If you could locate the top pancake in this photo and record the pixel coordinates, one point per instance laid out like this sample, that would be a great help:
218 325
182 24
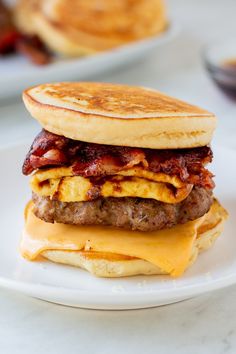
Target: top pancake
119 115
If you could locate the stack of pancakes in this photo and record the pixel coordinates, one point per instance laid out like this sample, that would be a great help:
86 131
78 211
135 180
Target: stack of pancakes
78 27
119 180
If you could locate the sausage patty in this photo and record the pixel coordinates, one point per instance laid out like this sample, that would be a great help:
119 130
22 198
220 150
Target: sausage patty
129 213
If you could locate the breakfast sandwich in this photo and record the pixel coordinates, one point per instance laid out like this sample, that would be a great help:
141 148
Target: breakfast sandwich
79 27
119 180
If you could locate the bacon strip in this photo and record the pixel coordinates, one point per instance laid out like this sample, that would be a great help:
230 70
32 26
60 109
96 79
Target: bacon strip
95 160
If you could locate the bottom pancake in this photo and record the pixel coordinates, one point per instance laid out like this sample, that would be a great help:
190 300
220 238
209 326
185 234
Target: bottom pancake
111 266
129 213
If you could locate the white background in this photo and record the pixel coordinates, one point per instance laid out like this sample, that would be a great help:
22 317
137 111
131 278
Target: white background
205 324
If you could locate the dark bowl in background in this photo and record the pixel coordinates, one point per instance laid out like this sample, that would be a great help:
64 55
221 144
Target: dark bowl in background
220 61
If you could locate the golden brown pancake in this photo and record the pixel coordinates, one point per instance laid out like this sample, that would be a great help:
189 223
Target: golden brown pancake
120 115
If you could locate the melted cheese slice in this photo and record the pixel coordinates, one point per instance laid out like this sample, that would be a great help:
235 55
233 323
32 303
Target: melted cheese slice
169 249
60 183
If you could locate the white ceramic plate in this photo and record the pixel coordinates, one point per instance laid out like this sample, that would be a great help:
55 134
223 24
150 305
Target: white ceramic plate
16 72
66 285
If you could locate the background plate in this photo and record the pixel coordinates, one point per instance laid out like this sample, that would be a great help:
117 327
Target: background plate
214 269
16 72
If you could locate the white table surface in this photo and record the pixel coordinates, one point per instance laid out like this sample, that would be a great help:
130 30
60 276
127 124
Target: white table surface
205 324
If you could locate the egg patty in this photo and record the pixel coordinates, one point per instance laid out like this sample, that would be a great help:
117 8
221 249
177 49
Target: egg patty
60 183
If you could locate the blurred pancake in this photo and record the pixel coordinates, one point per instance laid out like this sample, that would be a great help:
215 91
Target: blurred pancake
77 27
24 15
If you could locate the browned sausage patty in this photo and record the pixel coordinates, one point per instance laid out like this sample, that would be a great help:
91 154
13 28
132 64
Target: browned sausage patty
130 213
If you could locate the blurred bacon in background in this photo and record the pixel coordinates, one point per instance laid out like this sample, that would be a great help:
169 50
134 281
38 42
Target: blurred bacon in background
12 40
8 33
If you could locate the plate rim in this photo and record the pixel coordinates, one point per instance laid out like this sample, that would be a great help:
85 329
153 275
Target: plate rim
113 300
151 42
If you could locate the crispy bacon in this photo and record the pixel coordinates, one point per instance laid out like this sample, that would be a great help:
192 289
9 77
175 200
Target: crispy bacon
100 160
95 160
46 150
